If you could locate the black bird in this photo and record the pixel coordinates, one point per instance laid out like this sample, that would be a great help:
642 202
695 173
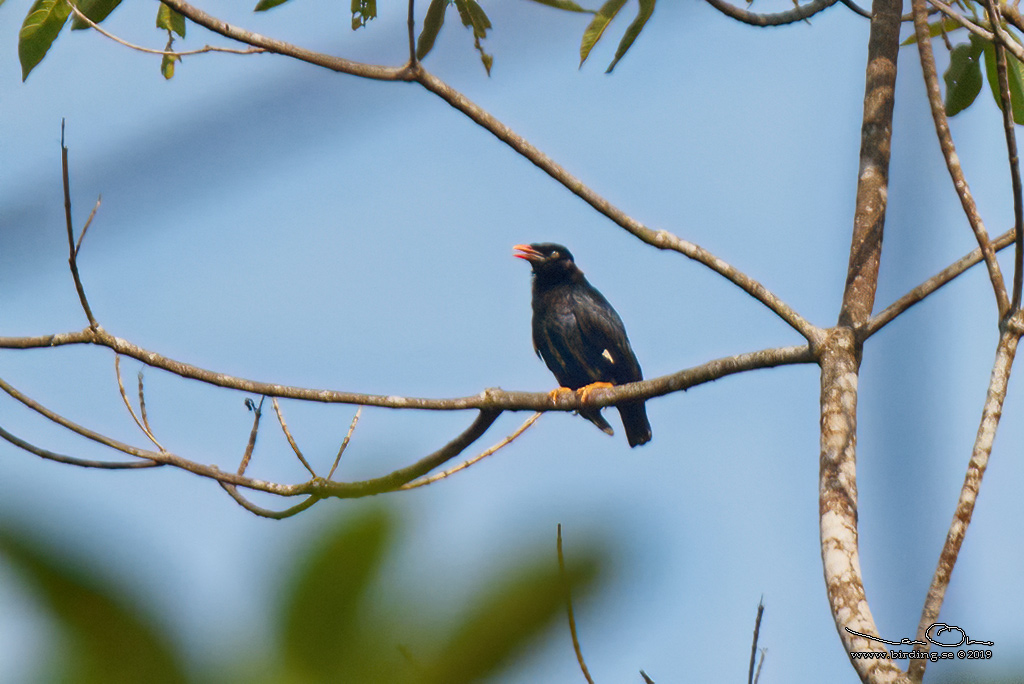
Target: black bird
580 337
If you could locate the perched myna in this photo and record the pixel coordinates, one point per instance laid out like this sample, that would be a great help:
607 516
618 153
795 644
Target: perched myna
579 335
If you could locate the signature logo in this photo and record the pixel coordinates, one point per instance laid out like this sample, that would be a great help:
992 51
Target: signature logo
934 635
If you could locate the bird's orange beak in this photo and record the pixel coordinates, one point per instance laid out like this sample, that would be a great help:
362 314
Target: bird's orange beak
527 252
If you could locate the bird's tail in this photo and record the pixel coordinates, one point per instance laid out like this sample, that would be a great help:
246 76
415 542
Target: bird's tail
595 417
634 420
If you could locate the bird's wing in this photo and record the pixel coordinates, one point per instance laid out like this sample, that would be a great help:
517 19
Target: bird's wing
604 337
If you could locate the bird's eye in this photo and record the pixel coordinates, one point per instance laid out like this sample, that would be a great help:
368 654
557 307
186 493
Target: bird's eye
555 254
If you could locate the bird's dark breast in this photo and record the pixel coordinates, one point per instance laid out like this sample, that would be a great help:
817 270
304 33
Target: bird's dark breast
560 336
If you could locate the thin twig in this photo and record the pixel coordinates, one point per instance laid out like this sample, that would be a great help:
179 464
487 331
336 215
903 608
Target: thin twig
251 444
288 434
124 397
929 286
72 460
152 51
72 251
753 645
990 415
344 442
266 512
798 13
924 47
142 404
479 457
412 33
963 21
88 222
568 604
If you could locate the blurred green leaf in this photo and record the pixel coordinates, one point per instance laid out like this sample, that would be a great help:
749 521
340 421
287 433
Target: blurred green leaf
1014 75
170 20
97 10
598 24
567 5
41 27
264 5
963 77
642 15
362 12
509 617
432 24
323 635
945 25
167 66
474 17
109 640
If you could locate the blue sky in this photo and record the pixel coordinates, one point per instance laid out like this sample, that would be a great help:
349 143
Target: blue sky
271 220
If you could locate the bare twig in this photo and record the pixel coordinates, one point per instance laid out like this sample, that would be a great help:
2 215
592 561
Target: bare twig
753 644
962 20
124 397
142 404
288 434
412 33
931 78
344 442
479 457
568 605
88 222
798 13
72 460
72 250
932 284
251 445
266 512
990 415
208 48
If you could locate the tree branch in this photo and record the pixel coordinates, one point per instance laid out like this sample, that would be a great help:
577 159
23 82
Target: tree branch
990 415
798 13
931 78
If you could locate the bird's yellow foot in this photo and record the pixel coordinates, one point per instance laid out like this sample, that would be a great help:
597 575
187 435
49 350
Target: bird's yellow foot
584 392
556 393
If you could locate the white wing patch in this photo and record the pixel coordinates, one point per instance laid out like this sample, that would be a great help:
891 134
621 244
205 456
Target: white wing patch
608 355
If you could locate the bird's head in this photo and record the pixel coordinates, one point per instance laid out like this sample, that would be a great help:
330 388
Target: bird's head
550 261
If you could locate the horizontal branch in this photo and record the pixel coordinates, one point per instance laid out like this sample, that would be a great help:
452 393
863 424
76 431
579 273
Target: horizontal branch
492 399
798 13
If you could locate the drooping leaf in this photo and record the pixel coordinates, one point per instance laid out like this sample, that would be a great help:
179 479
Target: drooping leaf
41 27
170 20
474 17
108 639
963 77
1014 76
598 24
323 636
642 15
511 614
264 5
167 66
432 24
97 10
567 5
362 12
936 28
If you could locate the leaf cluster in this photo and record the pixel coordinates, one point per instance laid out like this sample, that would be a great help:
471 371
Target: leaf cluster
338 620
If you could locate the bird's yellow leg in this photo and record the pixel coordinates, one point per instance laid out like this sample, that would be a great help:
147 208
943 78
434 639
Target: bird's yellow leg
555 393
584 392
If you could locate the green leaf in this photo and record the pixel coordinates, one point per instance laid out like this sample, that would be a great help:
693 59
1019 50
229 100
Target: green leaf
171 20
432 24
264 5
108 639
642 15
324 634
510 616
567 5
362 12
473 16
597 26
1014 75
42 25
167 66
963 77
97 10
937 28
